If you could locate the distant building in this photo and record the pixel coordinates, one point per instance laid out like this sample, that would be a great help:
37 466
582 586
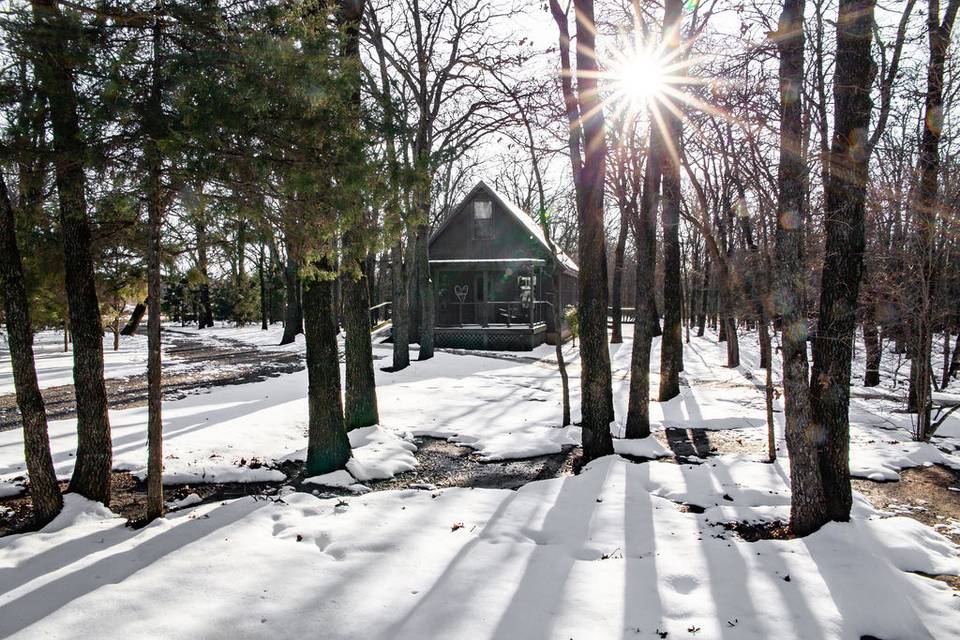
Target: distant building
492 275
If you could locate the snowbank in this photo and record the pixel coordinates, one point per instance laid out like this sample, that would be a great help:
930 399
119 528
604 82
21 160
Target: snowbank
589 556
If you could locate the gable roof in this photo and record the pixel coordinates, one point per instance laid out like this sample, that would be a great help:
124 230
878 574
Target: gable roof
536 232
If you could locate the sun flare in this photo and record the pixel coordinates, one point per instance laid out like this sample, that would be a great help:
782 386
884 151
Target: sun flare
640 78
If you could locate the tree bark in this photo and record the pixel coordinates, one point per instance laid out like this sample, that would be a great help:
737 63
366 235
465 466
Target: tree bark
293 313
44 492
206 308
873 352
595 377
704 294
328 447
399 308
638 402
425 303
844 196
264 324
925 216
136 317
361 387
155 222
671 342
807 507
91 475
616 334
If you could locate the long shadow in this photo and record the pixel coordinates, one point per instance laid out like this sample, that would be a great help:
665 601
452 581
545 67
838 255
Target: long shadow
448 582
688 443
640 582
23 611
54 557
846 588
198 419
546 573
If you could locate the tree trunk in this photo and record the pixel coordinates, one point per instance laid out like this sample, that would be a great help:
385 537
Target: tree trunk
807 507
595 379
945 375
328 447
616 334
765 346
91 475
425 304
558 314
155 222
44 492
645 231
704 291
873 353
399 309
671 343
206 308
361 387
264 324
844 197
293 314
925 216
654 313
136 317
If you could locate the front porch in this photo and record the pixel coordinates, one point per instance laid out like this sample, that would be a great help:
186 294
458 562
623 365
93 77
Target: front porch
493 338
490 304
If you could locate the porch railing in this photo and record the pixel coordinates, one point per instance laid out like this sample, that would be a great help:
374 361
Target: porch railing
505 313
627 314
380 313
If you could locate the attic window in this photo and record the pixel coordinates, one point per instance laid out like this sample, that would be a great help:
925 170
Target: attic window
482 220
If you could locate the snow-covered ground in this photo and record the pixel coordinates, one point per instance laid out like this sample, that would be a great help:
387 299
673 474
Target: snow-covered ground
502 407
606 554
55 367
609 553
251 335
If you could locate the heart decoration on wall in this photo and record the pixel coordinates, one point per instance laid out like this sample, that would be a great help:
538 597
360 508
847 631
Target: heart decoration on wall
461 292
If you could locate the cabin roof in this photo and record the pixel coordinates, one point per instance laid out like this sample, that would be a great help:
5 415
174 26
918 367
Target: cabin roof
519 214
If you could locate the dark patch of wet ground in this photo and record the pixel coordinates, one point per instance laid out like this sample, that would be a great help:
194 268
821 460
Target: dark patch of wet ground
445 464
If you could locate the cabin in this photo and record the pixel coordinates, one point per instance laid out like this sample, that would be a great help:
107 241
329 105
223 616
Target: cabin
492 272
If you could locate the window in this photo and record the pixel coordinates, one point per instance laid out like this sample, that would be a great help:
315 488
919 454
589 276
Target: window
482 220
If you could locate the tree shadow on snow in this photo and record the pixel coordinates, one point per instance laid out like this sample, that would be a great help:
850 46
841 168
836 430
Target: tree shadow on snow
34 605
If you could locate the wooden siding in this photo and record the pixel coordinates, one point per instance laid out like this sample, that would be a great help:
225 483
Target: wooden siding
456 241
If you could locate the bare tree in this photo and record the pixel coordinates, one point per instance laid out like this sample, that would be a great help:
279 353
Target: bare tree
588 161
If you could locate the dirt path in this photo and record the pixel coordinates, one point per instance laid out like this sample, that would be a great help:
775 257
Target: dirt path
191 364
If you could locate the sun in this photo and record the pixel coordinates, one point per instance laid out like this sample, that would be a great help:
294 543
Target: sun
640 78
637 78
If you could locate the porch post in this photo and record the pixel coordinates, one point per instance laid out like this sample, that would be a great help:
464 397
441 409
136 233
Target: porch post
486 298
533 295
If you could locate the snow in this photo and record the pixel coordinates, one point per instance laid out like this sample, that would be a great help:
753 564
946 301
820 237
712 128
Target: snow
588 556
502 407
55 367
617 551
377 454
885 463
340 479
188 501
648 447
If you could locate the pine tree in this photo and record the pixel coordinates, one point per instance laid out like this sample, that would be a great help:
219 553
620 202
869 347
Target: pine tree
54 69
